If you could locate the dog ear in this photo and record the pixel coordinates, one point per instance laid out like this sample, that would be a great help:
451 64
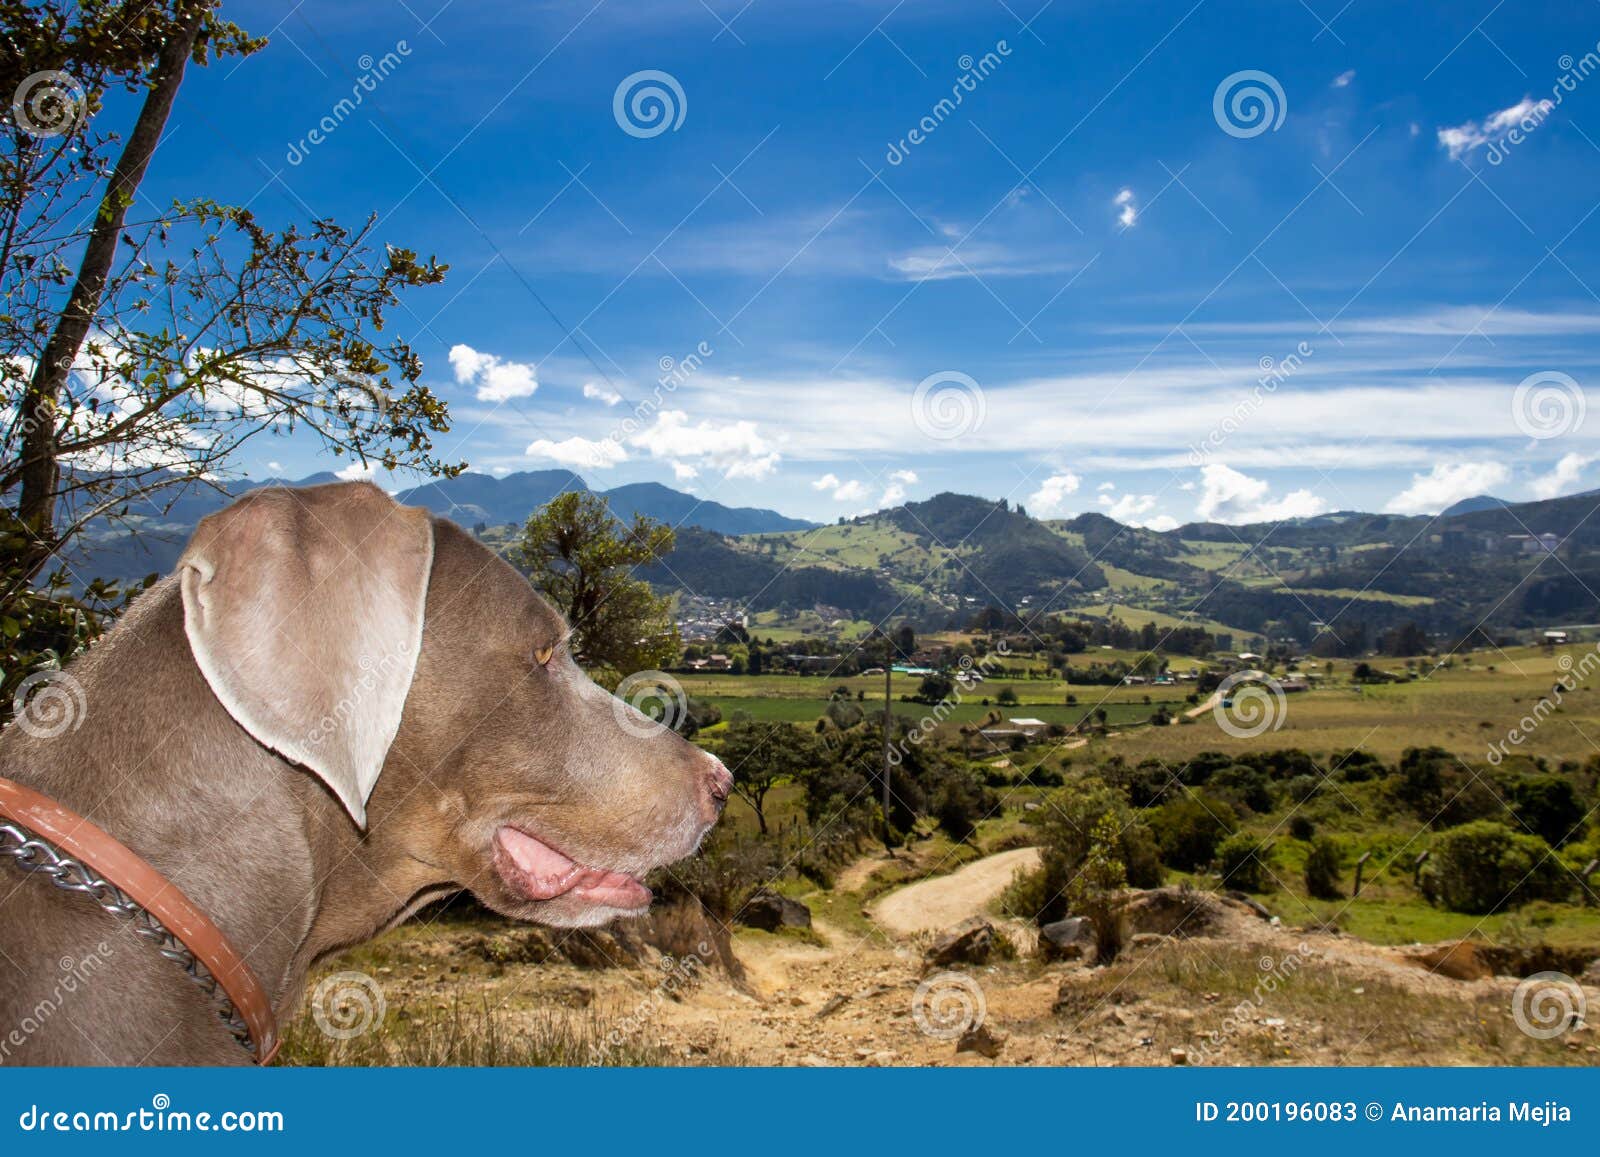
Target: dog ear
304 611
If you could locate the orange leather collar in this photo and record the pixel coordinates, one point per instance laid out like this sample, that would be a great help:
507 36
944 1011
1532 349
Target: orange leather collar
110 858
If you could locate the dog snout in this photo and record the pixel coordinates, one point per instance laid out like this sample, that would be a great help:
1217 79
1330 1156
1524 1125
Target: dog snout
718 785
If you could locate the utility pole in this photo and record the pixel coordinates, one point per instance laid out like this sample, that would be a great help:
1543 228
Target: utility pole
888 718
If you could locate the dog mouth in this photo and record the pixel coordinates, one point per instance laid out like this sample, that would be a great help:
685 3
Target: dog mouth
535 871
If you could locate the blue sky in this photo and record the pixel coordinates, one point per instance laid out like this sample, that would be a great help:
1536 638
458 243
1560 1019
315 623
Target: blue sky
1117 289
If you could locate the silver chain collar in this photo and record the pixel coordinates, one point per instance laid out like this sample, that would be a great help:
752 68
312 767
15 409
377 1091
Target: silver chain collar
33 854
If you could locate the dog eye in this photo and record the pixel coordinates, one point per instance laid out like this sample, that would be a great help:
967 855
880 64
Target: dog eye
543 655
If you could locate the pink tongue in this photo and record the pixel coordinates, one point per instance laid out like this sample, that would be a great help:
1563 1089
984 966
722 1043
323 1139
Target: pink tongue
545 874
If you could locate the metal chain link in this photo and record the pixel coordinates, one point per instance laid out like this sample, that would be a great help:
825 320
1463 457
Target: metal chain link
34 854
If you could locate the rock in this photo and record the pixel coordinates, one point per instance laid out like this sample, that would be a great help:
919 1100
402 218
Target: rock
1179 1056
1175 911
835 1002
983 1040
1249 902
969 942
1145 939
1069 939
1591 974
770 911
1457 959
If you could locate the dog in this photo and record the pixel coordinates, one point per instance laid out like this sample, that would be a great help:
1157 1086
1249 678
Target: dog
336 710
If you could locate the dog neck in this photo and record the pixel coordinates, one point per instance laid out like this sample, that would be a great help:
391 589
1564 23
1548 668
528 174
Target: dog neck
255 842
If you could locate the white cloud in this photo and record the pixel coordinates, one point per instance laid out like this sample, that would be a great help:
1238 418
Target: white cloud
1344 78
275 467
1227 495
736 448
1128 211
1445 484
893 495
684 472
601 393
1562 477
1131 509
851 491
907 476
1463 138
1049 501
496 380
579 453
356 472
1105 486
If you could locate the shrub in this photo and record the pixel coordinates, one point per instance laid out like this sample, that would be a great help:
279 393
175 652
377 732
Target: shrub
1242 859
1188 830
1006 698
1065 825
1323 864
1548 806
1301 827
958 801
1245 785
1096 890
1484 866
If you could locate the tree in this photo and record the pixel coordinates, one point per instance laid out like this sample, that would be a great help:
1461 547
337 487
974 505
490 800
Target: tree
139 349
582 557
1096 889
760 756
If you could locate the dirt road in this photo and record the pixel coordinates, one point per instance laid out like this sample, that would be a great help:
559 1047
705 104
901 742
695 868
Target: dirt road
936 904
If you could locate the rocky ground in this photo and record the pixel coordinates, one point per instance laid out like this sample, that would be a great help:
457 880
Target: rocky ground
1204 980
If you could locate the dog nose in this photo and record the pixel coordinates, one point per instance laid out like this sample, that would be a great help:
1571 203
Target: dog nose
719 785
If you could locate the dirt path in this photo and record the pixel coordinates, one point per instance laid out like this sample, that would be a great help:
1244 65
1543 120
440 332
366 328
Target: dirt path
932 905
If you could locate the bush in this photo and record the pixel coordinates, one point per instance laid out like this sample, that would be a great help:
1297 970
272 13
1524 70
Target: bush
1485 866
1245 785
1188 830
958 801
1323 864
1242 859
1548 806
1301 827
1064 827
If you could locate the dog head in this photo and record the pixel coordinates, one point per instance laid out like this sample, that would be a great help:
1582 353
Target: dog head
427 685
